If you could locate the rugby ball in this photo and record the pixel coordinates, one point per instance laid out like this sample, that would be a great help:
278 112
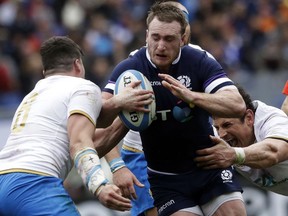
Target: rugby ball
137 121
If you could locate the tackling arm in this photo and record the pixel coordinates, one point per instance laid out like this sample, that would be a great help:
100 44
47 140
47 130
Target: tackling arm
260 155
266 153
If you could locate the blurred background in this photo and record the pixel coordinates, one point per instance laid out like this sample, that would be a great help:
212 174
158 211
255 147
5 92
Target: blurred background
248 37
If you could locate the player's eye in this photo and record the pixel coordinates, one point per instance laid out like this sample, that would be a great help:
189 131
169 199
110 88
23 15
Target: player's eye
169 39
156 38
226 125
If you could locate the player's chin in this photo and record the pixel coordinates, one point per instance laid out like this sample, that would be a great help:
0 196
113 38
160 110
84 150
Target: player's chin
161 61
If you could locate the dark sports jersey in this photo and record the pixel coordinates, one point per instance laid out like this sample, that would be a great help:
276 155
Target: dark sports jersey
169 143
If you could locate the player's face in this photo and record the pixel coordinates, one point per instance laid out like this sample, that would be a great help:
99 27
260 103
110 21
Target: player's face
164 41
234 131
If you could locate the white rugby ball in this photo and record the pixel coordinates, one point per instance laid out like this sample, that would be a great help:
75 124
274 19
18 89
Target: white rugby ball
136 121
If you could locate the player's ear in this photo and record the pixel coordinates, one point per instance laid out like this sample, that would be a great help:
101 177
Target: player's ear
147 32
77 64
249 117
183 39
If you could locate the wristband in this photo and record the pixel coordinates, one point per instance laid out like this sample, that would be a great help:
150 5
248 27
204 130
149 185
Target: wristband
240 156
88 166
116 164
99 189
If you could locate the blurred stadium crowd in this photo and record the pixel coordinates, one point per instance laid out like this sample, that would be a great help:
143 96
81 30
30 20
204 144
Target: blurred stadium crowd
245 36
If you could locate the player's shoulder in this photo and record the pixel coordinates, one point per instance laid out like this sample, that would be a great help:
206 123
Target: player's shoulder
194 46
270 121
135 58
80 84
197 50
82 81
266 108
265 112
131 54
138 52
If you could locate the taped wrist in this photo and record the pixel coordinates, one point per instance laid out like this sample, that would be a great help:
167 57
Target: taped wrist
116 164
240 156
87 164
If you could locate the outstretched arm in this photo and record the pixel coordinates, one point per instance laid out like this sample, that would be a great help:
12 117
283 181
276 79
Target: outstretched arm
259 155
221 103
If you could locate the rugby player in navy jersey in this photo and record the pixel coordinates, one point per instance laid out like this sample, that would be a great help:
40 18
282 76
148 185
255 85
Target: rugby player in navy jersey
129 166
189 85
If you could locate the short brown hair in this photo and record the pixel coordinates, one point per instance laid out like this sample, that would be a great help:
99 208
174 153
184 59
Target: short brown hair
59 52
167 13
246 97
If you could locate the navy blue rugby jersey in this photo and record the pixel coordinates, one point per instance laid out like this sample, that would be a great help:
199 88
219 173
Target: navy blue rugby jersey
169 143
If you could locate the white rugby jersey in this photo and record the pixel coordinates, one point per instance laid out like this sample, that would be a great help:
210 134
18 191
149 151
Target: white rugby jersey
39 142
270 122
133 140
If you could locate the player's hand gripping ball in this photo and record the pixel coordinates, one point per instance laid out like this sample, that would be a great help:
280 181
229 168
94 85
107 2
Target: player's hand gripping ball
136 121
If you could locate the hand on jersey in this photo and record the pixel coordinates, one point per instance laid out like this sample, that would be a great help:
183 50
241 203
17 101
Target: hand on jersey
177 88
134 99
110 196
222 155
125 180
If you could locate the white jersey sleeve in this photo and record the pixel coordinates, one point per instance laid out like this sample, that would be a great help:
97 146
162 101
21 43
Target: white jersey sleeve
133 140
270 122
39 142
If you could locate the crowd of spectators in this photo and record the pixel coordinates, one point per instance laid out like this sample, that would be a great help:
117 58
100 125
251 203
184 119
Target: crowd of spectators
244 35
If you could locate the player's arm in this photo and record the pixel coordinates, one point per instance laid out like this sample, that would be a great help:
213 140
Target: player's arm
122 176
225 103
81 131
130 99
107 138
260 155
